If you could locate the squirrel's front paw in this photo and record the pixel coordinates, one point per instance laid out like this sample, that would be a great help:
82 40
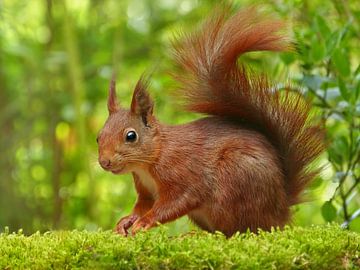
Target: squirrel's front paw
125 223
144 223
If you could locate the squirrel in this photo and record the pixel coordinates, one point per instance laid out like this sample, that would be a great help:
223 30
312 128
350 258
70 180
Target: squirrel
239 168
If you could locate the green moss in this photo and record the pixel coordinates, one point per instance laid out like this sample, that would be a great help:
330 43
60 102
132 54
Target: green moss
318 247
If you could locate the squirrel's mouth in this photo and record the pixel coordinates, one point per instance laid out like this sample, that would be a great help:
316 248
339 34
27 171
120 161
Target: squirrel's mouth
117 170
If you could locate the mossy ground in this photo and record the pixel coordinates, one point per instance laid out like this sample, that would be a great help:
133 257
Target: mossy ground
317 247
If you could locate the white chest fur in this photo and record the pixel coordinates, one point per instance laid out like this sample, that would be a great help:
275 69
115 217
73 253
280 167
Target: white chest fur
148 181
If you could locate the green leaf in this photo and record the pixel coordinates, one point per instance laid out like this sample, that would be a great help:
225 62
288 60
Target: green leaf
355 221
318 50
339 149
357 70
334 157
316 183
334 40
343 89
355 225
322 26
341 62
328 211
288 57
357 90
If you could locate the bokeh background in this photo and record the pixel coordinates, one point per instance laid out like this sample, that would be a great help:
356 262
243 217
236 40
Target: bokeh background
56 60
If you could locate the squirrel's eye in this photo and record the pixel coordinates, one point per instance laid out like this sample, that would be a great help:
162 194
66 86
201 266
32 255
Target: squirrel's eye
131 136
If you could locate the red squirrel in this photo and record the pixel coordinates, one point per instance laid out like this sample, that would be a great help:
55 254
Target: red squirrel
240 167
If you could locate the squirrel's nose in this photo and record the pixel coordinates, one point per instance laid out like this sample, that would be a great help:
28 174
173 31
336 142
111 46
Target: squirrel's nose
105 163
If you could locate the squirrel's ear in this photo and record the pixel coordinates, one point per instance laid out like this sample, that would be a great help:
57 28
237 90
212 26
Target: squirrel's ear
141 103
113 105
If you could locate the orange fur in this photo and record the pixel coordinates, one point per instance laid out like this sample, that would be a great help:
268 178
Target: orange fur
240 168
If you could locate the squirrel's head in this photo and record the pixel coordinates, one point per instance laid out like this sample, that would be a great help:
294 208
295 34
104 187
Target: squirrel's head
129 138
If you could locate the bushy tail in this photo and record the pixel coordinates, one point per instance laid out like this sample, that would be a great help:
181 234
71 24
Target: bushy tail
214 83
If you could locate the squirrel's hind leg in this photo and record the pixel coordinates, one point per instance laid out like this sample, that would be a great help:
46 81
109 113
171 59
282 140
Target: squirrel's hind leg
249 191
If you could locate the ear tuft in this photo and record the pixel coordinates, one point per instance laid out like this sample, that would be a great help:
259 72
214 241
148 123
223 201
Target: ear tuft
141 104
113 105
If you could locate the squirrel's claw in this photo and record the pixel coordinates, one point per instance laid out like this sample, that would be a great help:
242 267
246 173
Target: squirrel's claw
143 223
125 223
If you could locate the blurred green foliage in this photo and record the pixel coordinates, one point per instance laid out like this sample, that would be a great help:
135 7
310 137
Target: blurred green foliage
56 60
